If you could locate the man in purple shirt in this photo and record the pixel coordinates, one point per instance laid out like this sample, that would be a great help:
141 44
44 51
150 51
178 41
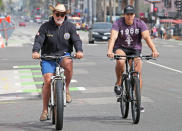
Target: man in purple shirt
126 35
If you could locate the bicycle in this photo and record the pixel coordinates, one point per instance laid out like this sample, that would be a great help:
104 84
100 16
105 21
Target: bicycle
57 100
130 88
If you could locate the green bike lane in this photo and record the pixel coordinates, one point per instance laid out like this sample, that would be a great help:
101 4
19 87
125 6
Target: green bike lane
23 82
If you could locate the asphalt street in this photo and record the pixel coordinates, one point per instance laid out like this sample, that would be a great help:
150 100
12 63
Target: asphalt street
94 106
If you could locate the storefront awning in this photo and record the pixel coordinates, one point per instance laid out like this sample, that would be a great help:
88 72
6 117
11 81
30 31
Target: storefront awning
171 21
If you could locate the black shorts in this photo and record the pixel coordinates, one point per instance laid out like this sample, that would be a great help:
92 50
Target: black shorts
128 51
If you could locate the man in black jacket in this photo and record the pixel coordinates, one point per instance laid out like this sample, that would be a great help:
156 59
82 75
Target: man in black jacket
56 37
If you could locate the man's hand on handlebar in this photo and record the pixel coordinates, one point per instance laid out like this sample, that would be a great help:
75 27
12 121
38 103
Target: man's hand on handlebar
110 54
78 55
155 54
35 55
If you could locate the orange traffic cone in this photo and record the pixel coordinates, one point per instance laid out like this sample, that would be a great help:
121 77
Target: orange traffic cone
2 45
2 42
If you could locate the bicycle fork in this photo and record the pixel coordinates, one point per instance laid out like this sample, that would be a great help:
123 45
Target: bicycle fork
52 91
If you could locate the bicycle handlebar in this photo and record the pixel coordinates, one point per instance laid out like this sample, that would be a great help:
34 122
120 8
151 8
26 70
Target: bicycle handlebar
49 57
146 57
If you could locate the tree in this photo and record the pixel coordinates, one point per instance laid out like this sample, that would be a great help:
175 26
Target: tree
2 8
1 3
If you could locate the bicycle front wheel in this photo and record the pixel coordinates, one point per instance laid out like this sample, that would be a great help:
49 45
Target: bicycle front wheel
136 99
124 104
59 104
53 115
51 112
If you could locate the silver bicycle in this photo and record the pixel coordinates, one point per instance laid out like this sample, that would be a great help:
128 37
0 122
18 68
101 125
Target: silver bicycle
57 100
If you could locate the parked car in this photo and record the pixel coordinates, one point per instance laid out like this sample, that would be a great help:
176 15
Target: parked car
22 24
99 31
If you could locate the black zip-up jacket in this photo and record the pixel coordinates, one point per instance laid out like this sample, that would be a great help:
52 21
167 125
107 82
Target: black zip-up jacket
56 40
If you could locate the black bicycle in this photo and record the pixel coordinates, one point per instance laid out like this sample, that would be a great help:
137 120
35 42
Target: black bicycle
130 88
58 93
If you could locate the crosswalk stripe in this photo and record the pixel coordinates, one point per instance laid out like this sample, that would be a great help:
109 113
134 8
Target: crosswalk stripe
26 66
28 71
30 76
32 83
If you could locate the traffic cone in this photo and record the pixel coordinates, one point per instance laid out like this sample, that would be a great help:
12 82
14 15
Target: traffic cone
2 45
2 42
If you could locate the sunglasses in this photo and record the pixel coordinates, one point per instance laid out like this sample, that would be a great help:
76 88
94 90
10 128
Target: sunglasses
60 14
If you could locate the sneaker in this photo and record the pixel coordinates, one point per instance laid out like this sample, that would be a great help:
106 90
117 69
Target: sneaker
142 109
117 89
44 116
68 98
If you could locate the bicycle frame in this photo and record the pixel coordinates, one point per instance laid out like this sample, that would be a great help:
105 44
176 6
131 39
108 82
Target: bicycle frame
130 71
57 100
58 76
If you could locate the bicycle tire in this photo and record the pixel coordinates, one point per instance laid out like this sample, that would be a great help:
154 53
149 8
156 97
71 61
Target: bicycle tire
52 115
51 108
136 99
59 104
124 104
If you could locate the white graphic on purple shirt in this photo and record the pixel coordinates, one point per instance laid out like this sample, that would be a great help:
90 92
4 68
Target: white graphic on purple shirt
130 35
127 32
136 31
129 40
131 31
121 32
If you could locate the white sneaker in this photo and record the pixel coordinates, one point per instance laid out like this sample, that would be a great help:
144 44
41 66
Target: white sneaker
142 109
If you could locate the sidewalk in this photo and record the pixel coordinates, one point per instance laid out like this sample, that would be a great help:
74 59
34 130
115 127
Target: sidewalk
23 35
172 40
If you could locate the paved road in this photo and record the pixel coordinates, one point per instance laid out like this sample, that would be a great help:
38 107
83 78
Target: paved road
94 105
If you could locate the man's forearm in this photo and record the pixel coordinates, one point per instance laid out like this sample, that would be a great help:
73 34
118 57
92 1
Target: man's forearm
110 45
150 44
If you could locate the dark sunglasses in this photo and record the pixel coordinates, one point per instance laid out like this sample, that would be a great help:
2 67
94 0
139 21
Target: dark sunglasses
60 14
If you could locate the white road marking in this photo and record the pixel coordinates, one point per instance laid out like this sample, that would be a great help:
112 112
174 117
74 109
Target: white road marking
81 88
73 81
15 67
10 98
165 67
169 46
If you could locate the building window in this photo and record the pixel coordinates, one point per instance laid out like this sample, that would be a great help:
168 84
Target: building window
167 3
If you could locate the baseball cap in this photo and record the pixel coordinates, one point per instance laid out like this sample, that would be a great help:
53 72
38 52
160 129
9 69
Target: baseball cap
129 9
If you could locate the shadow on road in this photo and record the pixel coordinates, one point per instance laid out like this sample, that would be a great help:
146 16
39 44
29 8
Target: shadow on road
112 120
28 126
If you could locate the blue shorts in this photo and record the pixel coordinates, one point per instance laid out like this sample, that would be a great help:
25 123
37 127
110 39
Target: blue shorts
48 66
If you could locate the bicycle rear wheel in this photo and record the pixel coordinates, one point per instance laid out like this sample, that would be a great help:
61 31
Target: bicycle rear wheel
136 99
124 104
59 104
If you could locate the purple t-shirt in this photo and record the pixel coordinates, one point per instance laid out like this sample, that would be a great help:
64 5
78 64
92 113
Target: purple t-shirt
129 36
